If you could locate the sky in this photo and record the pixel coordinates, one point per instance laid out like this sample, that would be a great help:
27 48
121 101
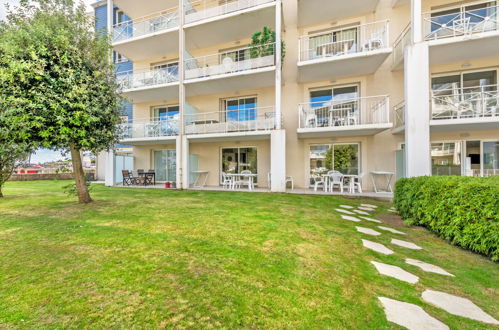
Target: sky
42 155
13 2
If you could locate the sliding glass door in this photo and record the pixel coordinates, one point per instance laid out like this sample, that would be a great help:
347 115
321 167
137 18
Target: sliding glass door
236 160
342 157
333 106
165 165
446 158
239 109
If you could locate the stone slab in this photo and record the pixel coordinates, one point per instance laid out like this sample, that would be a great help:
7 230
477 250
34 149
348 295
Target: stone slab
371 219
350 218
376 247
369 205
345 211
457 306
368 231
346 206
363 208
410 316
391 230
427 267
395 272
406 244
361 212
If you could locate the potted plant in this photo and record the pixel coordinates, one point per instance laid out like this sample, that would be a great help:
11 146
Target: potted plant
263 45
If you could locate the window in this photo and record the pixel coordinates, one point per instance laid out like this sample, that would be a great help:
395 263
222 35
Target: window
335 106
118 58
459 19
342 157
446 158
490 158
464 82
236 55
239 109
165 112
236 160
165 165
170 68
333 43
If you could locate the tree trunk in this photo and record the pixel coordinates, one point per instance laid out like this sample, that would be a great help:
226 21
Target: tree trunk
1 194
81 182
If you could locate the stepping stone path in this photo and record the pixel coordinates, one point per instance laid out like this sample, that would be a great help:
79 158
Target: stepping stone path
391 230
346 206
410 316
427 267
457 306
368 231
369 205
405 244
391 209
376 247
361 212
395 272
365 208
345 211
350 218
371 219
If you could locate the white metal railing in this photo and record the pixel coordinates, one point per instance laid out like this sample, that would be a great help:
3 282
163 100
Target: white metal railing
150 127
228 121
152 23
402 41
146 78
399 113
343 41
345 112
470 102
463 21
232 61
202 9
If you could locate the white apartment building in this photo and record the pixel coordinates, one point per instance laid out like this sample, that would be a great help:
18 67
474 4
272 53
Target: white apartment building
360 86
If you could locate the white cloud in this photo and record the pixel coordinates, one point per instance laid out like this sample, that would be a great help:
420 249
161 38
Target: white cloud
14 2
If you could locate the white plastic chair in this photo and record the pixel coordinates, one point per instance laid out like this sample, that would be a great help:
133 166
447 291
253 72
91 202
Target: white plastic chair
244 180
357 183
319 182
290 180
335 179
226 181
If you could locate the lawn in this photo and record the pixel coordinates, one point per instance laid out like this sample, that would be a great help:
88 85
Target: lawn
140 258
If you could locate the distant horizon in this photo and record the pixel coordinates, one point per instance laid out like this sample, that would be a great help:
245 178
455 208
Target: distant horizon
45 155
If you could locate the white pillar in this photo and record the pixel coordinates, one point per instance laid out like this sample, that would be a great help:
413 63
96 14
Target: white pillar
178 161
278 161
110 176
416 21
110 14
278 63
185 163
417 110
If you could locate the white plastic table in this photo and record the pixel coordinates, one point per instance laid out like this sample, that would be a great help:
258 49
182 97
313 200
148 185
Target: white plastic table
235 176
388 177
198 176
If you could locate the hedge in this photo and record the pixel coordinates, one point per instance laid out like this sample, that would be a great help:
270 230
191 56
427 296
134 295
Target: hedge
462 210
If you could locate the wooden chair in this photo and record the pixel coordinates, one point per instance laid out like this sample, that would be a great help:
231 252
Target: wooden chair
128 178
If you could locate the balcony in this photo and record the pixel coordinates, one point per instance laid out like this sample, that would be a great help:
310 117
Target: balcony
318 11
135 9
252 122
149 85
403 40
196 11
245 68
361 51
142 131
462 33
466 108
399 118
344 117
149 36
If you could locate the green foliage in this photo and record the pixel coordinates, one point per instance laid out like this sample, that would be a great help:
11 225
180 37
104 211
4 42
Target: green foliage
263 44
56 76
463 210
343 156
72 191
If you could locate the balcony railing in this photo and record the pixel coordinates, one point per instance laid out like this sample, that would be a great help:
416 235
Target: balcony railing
148 78
463 21
399 113
230 121
203 9
153 23
344 41
150 127
341 112
403 40
470 102
244 59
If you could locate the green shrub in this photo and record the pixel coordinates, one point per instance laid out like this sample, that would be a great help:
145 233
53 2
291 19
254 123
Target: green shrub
463 210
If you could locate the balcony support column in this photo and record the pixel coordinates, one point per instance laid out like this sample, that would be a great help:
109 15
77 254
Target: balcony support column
109 17
417 110
182 145
278 64
185 170
278 161
416 21
110 165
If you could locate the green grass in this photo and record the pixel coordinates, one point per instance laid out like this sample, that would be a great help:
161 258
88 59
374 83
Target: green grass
140 258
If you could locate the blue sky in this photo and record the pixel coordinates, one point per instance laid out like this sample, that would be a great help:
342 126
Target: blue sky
45 155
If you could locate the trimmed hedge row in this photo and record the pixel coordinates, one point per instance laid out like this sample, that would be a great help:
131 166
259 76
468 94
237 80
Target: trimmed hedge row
463 210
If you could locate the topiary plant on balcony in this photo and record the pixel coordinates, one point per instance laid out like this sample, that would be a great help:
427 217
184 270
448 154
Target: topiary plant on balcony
263 44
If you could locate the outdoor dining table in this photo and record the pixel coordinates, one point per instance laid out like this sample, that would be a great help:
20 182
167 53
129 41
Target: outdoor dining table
388 177
351 181
197 181
235 176
143 176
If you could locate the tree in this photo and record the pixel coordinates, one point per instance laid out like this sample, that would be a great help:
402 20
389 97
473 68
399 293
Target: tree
58 79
